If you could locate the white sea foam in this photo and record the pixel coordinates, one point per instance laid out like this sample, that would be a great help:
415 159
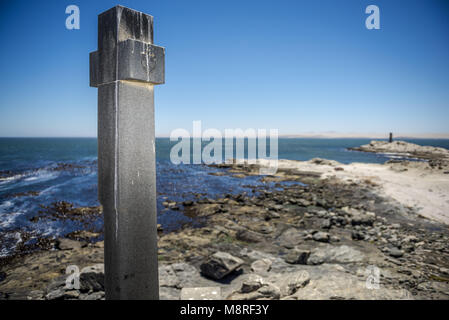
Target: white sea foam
11 178
13 237
8 219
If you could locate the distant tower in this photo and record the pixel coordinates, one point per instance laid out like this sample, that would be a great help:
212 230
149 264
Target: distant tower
391 137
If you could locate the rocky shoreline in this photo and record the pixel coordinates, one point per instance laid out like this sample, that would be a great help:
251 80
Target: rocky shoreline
437 157
305 234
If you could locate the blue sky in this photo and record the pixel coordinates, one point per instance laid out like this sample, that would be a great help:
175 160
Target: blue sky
298 66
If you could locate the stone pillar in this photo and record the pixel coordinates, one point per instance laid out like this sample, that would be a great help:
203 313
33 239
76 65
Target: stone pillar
125 69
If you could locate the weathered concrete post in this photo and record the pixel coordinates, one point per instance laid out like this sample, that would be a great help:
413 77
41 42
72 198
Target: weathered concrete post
125 69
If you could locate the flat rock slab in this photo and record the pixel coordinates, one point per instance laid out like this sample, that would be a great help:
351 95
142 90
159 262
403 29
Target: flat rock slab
201 293
330 254
343 286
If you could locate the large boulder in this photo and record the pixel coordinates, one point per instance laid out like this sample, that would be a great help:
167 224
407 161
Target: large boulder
219 265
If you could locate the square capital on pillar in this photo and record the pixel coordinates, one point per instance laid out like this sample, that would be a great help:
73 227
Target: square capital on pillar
125 49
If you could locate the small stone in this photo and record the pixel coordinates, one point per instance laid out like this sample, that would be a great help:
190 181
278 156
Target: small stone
357 235
253 283
444 270
362 220
33 295
67 244
321 236
326 224
395 252
55 294
94 296
249 236
261 265
273 215
308 237
72 294
269 291
297 256
334 239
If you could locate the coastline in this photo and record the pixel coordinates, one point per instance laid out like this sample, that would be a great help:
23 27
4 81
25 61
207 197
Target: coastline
311 238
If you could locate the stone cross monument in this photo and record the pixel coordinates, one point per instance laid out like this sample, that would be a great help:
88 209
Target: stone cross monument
125 69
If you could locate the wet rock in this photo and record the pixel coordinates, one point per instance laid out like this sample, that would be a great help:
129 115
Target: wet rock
169 204
219 265
297 256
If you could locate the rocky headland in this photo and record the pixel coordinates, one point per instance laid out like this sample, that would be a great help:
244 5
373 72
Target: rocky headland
436 156
314 230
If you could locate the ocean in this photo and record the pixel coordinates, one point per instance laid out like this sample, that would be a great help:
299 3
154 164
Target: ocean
36 172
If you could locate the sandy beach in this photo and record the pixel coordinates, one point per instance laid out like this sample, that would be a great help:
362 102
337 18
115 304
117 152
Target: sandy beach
413 184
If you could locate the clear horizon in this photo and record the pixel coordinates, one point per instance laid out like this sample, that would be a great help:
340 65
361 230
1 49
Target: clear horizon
303 67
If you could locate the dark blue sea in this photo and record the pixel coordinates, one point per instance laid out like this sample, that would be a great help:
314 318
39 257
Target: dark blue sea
41 171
